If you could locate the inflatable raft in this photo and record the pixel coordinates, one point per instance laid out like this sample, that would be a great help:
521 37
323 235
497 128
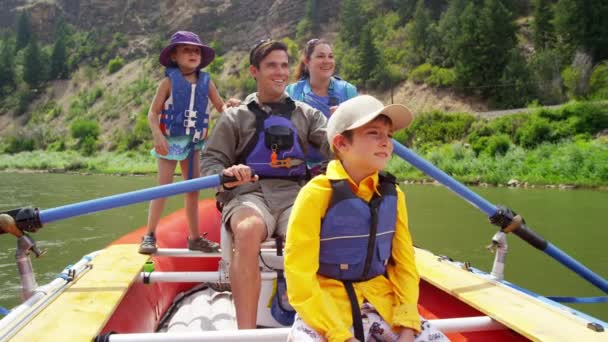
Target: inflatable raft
178 295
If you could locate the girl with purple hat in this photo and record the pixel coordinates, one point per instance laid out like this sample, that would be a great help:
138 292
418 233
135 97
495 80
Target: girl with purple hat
179 122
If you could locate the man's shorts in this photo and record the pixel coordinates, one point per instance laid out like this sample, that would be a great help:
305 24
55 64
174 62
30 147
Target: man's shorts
275 220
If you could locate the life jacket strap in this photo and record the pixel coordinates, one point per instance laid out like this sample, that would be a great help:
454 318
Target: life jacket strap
190 114
355 310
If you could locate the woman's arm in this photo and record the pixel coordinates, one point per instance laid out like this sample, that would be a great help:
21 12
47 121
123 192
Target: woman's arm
216 99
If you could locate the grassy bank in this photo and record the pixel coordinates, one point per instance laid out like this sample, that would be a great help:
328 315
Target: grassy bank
579 163
73 161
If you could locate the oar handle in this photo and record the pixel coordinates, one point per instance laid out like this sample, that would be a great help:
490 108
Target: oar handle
493 211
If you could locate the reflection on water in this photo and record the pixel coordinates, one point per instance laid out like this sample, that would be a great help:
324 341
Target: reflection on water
440 221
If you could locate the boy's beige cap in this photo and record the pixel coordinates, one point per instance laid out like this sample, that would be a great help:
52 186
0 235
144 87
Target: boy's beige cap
362 109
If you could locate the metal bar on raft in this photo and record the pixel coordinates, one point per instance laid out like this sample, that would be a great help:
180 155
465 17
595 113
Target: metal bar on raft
43 295
186 253
448 326
189 277
524 232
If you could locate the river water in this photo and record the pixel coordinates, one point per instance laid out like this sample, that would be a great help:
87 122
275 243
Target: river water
573 220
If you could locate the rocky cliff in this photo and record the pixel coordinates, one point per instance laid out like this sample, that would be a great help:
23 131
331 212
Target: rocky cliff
235 23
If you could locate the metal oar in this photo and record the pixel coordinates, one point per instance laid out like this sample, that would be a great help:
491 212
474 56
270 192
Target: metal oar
31 219
503 217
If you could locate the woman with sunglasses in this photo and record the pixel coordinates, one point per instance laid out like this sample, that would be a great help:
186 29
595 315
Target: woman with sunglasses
317 85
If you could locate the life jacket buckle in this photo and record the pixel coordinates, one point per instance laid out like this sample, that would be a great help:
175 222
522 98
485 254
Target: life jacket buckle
189 123
197 136
190 114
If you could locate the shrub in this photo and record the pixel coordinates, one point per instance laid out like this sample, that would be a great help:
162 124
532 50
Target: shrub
77 109
19 143
441 77
498 145
421 73
439 127
598 84
89 145
478 143
572 78
57 146
81 129
115 64
534 133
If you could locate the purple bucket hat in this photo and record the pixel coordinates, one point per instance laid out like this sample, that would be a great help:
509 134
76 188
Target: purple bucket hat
186 37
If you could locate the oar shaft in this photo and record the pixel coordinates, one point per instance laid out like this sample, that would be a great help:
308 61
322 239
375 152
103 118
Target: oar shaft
490 209
444 179
576 266
104 203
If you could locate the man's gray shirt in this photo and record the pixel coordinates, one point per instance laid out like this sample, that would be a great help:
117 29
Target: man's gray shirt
236 128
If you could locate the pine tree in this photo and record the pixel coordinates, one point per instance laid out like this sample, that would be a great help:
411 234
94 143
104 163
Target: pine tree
24 33
483 49
406 9
450 30
58 59
32 64
465 49
351 22
419 33
435 7
368 56
7 71
541 26
517 76
312 14
582 24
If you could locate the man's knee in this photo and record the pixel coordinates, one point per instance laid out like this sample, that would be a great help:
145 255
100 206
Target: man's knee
248 230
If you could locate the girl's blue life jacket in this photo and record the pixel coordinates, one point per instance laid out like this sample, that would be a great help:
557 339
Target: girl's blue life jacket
336 94
275 151
356 236
185 112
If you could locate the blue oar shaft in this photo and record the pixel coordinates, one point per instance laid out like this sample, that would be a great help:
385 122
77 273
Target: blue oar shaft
490 209
576 266
104 203
444 179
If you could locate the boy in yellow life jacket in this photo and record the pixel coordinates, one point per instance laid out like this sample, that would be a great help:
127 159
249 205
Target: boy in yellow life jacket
349 257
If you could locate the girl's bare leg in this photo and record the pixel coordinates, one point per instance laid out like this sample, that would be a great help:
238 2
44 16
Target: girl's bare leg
191 198
166 169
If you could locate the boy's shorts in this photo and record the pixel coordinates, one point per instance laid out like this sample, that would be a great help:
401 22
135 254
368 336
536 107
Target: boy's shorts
275 220
179 148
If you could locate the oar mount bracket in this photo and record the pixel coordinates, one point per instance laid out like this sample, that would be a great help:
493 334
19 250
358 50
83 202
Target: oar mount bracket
26 219
507 219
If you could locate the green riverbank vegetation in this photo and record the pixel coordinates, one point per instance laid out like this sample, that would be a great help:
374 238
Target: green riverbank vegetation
566 146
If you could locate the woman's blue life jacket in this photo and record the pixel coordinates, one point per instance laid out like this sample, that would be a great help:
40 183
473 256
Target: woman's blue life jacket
356 237
185 111
338 92
275 151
